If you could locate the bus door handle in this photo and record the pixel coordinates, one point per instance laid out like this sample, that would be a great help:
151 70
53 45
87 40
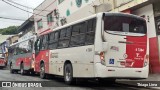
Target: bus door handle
126 42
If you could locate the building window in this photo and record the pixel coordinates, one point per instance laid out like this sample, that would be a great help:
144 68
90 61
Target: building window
60 1
49 18
78 3
39 24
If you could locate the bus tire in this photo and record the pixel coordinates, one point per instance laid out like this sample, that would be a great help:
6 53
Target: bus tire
22 69
42 71
32 73
11 69
68 74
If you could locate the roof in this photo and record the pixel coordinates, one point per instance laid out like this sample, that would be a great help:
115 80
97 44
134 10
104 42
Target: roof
4 37
23 25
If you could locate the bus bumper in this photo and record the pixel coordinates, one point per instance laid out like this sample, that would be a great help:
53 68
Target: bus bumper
118 72
2 65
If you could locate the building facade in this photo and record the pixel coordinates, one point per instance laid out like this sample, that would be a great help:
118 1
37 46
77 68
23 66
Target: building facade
27 29
46 16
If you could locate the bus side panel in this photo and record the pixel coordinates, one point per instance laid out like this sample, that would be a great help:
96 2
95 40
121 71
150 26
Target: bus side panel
27 61
42 56
25 58
13 60
80 57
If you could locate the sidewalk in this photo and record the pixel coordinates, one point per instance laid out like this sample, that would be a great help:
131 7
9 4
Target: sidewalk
153 78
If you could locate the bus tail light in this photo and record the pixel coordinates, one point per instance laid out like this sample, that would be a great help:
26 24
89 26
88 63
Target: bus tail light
122 63
102 57
33 63
146 60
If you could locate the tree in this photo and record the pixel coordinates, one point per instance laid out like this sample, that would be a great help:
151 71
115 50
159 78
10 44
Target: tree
9 30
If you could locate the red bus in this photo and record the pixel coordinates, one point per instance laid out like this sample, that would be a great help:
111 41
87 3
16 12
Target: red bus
21 56
3 62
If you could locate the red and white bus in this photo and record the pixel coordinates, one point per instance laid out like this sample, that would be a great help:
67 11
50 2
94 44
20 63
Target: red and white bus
105 45
21 56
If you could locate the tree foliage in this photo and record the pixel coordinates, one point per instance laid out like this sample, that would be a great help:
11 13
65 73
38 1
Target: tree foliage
9 30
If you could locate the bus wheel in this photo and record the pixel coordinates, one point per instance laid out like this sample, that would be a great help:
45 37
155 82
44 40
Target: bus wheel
22 69
42 71
32 73
11 68
68 74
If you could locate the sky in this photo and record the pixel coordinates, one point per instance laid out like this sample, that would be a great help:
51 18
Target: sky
9 11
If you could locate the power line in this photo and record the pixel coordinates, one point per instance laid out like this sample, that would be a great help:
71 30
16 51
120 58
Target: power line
26 6
12 18
21 8
18 22
24 9
17 19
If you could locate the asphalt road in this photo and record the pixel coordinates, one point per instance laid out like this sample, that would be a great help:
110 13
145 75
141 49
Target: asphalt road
58 83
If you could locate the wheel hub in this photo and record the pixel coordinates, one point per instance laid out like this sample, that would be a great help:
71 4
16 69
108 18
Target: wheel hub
68 74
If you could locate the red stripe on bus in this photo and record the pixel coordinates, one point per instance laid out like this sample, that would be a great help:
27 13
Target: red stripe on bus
136 51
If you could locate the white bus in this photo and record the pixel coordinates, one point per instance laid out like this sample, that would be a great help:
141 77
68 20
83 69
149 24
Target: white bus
102 46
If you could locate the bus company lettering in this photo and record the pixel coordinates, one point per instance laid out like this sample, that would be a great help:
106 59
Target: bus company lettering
54 55
139 54
114 48
139 49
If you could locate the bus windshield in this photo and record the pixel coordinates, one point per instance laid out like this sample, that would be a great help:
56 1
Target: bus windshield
124 23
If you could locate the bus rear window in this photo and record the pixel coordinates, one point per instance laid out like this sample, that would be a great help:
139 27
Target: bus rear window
124 24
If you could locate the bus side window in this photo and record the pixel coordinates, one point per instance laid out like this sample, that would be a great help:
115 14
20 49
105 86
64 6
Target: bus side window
64 38
44 42
63 33
90 34
56 36
36 45
53 40
39 44
68 33
78 35
16 50
83 27
75 29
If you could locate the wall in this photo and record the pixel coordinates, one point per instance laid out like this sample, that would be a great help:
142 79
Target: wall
121 5
70 6
13 39
3 37
72 11
43 10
